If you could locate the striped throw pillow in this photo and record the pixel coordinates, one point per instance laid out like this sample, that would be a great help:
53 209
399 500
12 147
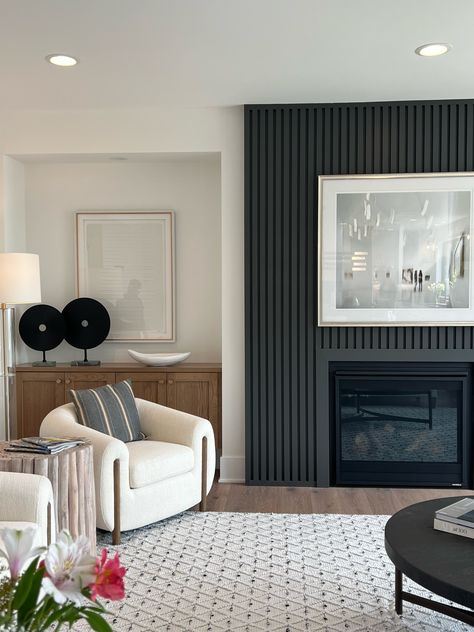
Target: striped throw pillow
110 409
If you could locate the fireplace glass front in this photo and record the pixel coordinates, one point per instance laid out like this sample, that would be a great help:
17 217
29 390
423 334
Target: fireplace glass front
400 429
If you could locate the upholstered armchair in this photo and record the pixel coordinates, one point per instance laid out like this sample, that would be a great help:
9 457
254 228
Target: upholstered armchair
142 482
26 500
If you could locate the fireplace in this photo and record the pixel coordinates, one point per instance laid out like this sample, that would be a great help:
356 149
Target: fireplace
400 424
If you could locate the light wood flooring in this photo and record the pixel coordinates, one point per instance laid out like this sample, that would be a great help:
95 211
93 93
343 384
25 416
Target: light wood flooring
345 500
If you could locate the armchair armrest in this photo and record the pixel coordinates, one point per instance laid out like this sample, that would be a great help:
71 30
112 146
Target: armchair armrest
161 423
27 498
62 422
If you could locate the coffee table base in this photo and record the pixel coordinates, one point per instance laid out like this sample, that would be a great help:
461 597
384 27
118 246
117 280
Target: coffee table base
461 614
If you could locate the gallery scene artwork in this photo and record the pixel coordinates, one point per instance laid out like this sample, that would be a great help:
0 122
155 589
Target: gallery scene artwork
396 249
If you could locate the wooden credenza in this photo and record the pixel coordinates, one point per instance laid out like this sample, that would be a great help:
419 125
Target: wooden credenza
191 387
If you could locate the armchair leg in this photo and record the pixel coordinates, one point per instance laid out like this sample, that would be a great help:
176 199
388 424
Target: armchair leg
202 505
48 522
116 531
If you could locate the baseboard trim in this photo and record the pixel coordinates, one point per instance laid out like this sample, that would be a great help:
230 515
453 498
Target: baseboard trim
232 469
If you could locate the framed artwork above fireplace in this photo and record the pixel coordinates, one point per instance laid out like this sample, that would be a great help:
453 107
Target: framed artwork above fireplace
396 249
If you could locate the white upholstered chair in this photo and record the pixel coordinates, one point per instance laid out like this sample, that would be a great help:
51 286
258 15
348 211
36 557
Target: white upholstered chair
141 482
26 500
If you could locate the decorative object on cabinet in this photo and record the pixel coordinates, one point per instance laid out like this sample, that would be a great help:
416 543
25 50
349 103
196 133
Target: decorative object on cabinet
396 249
142 482
42 327
87 325
159 359
126 259
194 388
19 284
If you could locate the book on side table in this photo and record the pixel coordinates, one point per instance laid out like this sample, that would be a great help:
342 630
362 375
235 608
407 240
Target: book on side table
43 445
457 518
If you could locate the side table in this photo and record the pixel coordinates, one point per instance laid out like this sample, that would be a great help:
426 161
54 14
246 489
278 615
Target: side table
71 473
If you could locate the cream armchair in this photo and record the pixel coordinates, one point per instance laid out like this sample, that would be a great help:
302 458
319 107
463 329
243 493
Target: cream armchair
26 500
142 482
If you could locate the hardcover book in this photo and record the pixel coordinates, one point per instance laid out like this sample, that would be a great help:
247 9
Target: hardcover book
460 512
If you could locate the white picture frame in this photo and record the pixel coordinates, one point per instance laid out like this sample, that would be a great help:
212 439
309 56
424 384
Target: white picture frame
377 231
125 260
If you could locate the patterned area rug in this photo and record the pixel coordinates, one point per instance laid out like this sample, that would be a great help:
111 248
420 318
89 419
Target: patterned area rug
263 572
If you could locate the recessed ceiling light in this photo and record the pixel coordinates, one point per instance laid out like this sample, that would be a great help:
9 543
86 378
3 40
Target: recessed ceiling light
433 50
60 59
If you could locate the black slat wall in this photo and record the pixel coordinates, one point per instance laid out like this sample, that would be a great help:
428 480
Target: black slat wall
286 148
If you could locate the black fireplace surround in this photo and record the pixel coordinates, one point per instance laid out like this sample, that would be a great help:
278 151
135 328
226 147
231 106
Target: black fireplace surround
287 146
401 424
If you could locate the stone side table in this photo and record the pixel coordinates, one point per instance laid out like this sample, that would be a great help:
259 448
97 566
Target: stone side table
71 473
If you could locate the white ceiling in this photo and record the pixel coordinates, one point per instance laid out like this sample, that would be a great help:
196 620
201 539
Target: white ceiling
148 53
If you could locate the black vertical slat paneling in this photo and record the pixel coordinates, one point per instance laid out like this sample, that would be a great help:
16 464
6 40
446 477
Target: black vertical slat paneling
469 139
270 296
262 294
248 269
287 325
254 316
311 297
435 138
279 236
302 266
286 147
294 295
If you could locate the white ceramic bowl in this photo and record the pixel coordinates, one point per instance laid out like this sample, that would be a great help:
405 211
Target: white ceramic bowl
159 359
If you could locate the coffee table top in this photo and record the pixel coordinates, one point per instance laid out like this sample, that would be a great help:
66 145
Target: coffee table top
441 562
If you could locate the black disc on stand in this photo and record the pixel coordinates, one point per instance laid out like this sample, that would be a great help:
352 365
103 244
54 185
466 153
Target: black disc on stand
42 327
87 326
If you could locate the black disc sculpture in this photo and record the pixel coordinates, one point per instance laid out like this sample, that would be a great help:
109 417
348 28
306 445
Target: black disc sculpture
42 327
87 325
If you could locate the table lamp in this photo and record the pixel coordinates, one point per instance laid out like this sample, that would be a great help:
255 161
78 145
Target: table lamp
19 284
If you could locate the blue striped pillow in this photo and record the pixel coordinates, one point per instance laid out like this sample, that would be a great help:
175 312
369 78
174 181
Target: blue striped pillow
110 409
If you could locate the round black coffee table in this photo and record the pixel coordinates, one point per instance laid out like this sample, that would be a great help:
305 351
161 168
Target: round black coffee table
441 562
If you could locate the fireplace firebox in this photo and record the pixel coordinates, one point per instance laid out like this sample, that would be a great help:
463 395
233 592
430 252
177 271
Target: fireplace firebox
401 425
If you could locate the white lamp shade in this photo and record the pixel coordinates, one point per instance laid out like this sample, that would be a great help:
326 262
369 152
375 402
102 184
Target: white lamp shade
19 278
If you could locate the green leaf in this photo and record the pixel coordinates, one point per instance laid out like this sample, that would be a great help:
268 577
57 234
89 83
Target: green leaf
97 622
28 607
24 585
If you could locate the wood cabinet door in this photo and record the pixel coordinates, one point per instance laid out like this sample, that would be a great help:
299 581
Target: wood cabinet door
82 379
150 386
195 393
38 393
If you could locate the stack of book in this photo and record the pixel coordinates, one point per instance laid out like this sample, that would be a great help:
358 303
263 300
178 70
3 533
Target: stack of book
43 445
457 518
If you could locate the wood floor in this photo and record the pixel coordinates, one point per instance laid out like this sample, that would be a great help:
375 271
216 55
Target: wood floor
345 500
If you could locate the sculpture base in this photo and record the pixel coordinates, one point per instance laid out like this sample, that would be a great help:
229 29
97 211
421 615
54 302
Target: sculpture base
85 363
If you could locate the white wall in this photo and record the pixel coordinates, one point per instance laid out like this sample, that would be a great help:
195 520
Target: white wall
14 208
188 186
162 131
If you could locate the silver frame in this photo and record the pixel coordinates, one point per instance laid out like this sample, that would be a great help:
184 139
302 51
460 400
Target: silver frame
379 176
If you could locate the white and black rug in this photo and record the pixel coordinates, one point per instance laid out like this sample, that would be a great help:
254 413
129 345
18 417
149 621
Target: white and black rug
263 572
